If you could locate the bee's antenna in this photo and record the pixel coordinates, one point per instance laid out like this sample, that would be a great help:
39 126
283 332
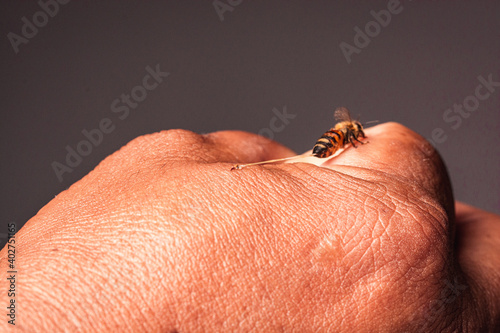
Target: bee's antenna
241 166
372 121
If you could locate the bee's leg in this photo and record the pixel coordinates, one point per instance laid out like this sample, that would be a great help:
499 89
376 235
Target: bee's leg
355 138
351 137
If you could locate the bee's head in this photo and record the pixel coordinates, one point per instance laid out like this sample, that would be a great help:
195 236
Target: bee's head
358 126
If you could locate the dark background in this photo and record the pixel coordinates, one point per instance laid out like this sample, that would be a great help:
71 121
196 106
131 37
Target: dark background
232 73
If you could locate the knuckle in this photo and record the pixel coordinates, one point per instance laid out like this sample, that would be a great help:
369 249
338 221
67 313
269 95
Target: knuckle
167 138
173 144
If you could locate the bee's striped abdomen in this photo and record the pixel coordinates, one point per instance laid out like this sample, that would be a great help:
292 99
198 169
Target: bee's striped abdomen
329 143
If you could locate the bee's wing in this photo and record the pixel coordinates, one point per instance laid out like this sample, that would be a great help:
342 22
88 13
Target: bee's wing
342 114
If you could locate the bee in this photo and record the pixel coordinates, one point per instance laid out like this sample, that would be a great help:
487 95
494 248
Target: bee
344 132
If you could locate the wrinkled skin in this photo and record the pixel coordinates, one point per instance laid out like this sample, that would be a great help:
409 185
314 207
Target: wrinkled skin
163 237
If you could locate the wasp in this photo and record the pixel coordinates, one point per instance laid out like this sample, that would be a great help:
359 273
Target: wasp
345 131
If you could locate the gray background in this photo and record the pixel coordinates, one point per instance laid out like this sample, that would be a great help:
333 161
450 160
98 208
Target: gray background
231 73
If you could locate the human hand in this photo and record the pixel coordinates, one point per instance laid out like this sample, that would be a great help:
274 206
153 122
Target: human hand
162 236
